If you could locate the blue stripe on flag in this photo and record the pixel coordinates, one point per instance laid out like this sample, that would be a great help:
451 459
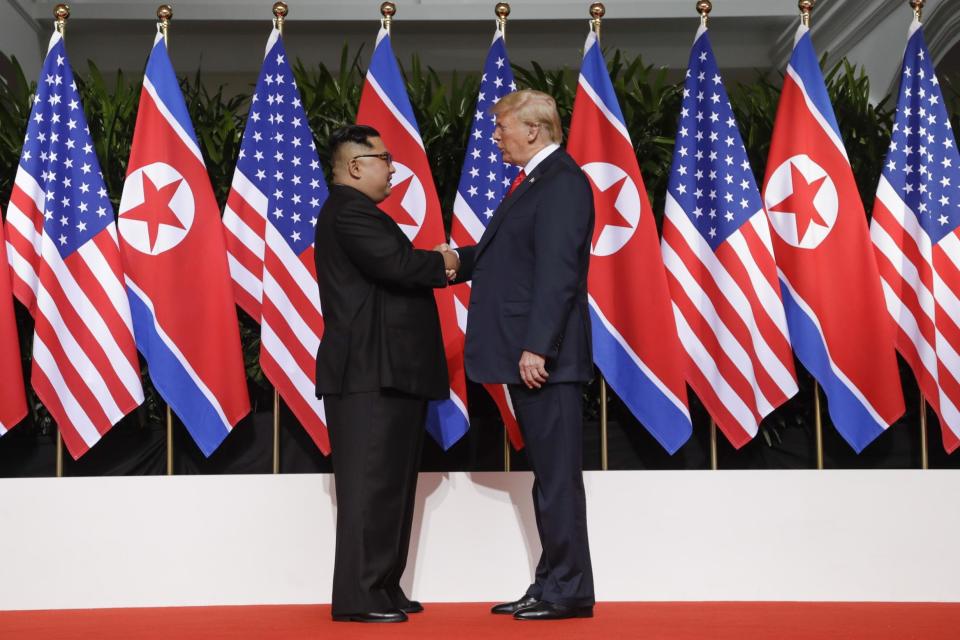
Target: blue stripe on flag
174 383
851 418
386 71
164 80
594 71
804 62
446 422
662 418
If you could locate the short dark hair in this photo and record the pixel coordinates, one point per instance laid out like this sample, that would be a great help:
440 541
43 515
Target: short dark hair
355 133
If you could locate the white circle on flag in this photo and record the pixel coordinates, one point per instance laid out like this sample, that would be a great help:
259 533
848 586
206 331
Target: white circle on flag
173 209
413 200
605 176
789 221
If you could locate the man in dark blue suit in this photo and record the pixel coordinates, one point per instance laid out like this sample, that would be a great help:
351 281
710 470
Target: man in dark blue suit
529 328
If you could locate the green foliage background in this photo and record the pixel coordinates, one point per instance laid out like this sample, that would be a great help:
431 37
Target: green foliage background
649 97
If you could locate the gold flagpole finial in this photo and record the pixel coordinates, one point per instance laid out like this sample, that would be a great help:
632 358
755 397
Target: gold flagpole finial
917 6
704 7
280 11
61 13
387 10
502 10
164 14
597 11
806 7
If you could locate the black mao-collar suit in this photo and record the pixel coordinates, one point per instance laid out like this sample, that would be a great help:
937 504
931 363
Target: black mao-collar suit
529 292
381 358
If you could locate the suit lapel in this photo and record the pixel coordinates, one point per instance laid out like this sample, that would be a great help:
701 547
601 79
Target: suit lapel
513 198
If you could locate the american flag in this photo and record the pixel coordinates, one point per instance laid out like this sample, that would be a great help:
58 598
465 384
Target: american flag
484 181
62 245
717 249
277 191
915 235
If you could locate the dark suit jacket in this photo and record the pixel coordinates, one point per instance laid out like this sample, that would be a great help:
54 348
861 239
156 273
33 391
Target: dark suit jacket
529 274
381 327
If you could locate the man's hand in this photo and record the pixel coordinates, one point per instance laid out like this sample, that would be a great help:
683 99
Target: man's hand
533 370
451 261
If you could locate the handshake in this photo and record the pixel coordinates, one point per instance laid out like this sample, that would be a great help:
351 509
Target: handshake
451 261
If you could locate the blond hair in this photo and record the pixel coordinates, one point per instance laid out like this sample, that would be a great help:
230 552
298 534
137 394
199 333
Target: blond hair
532 107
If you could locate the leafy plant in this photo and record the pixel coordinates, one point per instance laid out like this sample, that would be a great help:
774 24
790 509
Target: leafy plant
866 128
16 95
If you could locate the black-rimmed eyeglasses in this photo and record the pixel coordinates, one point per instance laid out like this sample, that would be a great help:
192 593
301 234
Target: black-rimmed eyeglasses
386 156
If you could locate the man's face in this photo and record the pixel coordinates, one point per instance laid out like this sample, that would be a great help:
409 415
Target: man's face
375 169
512 137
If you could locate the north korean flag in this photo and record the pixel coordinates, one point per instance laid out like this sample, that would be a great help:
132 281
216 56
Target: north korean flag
414 205
175 260
828 271
635 342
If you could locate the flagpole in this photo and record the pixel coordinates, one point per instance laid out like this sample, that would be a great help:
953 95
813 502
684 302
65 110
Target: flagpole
924 452
280 12
917 6
818 423
164 14
597 11
704 7
806 7
714 456
61 13
603 424
387 10
502 11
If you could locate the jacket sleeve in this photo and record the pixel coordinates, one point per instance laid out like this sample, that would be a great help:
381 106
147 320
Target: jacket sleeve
467 260
384 256
564 222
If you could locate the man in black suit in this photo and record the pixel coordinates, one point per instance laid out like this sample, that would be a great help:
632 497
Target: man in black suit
529 327
380 360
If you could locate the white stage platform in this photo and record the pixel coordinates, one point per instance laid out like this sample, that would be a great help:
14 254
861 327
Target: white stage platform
685 535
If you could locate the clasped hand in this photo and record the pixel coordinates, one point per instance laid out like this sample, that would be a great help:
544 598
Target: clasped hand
451 261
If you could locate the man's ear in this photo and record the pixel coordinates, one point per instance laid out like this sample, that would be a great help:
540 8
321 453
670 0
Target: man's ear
534 134
353 168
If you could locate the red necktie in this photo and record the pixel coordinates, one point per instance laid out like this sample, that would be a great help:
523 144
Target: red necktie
516 181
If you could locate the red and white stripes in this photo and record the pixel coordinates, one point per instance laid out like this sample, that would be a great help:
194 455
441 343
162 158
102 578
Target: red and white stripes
85 368
279 289
730 320
920 283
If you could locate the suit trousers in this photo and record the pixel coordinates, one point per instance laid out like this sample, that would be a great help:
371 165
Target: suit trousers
551 421
376 439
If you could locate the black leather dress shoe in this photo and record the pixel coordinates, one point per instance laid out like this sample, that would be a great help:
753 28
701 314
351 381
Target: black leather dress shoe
412 607
551 611
510 608
372 616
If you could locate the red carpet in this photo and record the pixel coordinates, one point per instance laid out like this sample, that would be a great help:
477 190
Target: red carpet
648 621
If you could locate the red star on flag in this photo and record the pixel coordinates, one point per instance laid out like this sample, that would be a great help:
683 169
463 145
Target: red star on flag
155 208
605 208
394 204
800 202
